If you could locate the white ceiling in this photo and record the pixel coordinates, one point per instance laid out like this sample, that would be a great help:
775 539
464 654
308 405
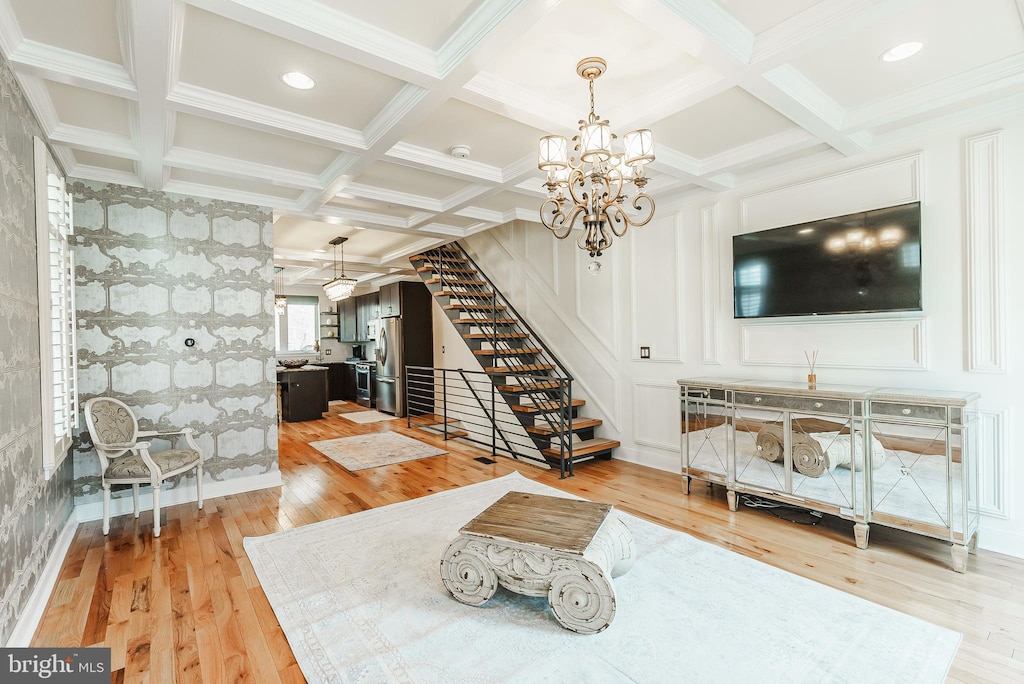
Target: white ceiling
186 97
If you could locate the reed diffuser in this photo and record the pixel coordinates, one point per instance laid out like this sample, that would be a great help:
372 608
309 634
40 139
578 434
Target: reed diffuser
812 359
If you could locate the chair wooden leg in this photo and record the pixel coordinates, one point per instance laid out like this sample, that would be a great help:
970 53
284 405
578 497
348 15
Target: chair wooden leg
199 485
135 496
106 509
156 509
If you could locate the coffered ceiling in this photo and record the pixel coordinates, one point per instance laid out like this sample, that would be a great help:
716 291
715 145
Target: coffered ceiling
186 96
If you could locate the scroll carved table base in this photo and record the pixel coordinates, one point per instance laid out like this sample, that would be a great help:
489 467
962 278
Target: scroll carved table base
578 587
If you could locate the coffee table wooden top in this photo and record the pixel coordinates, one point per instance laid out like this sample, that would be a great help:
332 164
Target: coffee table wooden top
549 521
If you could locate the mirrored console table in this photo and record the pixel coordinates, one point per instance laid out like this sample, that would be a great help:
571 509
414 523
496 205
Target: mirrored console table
895 457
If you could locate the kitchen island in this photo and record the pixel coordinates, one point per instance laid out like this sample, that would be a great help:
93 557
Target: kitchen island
303 392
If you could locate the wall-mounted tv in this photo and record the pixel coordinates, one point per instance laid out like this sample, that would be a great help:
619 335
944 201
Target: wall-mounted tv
864 262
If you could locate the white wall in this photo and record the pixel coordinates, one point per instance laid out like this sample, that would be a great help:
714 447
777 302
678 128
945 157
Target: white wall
669 286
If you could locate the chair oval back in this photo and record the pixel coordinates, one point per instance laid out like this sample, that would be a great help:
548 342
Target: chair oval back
110 422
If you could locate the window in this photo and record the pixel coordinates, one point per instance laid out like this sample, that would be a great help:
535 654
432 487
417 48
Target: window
298 329
58 356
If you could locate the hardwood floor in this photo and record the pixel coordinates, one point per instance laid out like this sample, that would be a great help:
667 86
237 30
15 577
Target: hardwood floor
187 607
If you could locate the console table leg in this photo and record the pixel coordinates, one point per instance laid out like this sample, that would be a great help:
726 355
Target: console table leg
686 485
860 534
734 503
972 545
959 552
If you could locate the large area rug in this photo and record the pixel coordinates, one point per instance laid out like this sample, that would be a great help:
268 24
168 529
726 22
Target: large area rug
360 599
374 450
366 416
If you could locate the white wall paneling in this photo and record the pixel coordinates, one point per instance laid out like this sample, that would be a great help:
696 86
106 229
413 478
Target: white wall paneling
992 463
541 254
880 343
710 270
597 295
656 414
655 290
983 253
884 184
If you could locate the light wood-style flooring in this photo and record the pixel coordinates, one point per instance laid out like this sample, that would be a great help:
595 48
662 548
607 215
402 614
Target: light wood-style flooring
187 607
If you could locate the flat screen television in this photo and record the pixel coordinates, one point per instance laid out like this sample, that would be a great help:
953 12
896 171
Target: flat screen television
859 263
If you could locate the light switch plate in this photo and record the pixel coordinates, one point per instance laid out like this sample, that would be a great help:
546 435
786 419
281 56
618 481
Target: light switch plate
645 352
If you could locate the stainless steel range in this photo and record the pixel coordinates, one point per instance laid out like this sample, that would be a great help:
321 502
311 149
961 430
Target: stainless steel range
366 376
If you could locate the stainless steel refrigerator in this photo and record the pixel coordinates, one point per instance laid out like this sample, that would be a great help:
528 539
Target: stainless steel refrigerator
390 383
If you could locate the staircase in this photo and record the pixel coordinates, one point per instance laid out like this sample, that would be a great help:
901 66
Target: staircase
526 375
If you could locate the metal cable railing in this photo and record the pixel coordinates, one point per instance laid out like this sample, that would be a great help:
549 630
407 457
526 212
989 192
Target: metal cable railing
467 405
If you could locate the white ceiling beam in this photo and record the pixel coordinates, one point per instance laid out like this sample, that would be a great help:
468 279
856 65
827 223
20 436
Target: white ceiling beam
102 175
229 195
208 162
153 49
426 159
99 142
764 149
73 68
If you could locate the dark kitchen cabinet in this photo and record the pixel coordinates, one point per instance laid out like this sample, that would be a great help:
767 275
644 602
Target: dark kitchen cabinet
348 330
390 300
336 381
350 382
367 309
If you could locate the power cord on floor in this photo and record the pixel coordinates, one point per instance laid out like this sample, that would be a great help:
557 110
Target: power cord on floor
794 514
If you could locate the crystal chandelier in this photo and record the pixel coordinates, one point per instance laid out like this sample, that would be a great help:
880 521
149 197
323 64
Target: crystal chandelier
595 183
341 286
280 300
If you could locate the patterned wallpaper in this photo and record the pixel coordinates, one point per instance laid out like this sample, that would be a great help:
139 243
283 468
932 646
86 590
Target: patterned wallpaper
32 510
152 270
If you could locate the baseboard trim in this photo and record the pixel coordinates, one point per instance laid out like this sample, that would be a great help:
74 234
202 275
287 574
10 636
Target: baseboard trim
179 495
1001 541
658 461
27 624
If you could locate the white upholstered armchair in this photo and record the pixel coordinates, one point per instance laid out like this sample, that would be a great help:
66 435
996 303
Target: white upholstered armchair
126 460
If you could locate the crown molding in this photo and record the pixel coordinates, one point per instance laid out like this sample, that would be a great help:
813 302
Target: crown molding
989 78
789 80
711 19
100 142
990 110
522 104
38 96
101 175
354 217
404 199
73 68
196 160
328 30
228 195
414 248
766 148
204 102
431 160
393 112
464 196
11 36
487 17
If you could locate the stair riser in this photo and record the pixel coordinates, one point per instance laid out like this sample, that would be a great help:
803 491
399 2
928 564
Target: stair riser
551 442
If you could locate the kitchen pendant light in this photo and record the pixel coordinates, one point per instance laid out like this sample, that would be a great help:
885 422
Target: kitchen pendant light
280 300
340 287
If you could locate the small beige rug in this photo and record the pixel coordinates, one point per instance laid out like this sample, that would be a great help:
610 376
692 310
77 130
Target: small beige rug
366 416
374 450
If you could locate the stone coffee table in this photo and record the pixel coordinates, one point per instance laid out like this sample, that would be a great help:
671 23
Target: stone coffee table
537 545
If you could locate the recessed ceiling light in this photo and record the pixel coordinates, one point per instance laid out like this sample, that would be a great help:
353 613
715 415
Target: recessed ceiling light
359 227
320 251
298 80
901 51
805 231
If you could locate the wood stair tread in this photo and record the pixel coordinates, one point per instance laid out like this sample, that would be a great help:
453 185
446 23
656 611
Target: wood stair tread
585 448
545 406
448 281
507 352
514 370
451 258
474 307
428 419
532 387
577 424
499 336
428 268
485 321
469 295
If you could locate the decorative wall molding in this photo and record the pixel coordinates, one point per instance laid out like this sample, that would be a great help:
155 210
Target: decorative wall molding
669 308
654 420
984 271
608 339
547 273
886 183
993 473
710 274
866 343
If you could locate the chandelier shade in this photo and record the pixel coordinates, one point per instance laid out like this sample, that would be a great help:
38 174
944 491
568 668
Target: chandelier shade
339 287
280 300
594 187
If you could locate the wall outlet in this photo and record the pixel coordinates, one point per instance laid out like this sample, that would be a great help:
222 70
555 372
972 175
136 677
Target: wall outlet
442 349
645 352
327 352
